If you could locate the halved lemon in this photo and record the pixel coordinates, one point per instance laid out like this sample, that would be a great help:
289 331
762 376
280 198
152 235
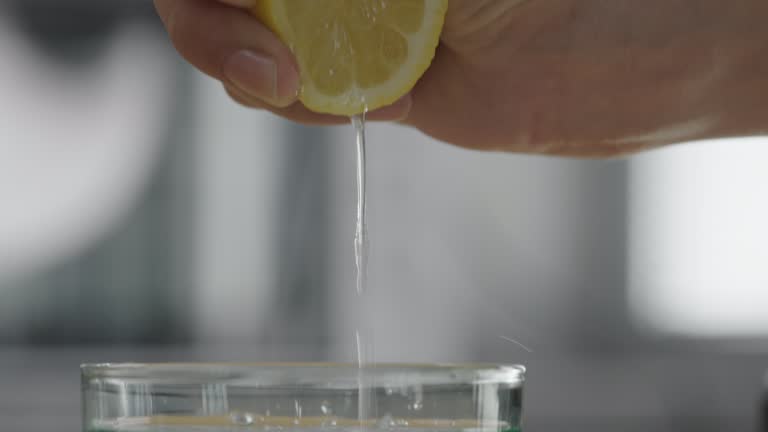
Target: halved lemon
356 55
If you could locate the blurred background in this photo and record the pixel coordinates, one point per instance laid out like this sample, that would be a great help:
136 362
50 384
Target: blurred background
145 217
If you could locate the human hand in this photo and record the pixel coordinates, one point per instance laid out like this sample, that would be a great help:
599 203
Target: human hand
586 78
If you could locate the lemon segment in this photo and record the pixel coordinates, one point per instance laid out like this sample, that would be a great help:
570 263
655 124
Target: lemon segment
356 55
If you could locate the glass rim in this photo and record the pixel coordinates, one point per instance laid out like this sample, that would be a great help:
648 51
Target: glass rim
488 372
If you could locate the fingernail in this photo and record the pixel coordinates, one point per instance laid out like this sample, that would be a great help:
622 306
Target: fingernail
256 75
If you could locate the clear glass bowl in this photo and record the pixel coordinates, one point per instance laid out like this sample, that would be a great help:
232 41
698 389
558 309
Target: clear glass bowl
301 397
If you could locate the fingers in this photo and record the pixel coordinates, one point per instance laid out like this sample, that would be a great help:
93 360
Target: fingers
256 68
232 46
398 111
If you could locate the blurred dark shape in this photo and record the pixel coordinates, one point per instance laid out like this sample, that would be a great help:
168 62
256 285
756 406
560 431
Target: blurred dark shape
764 407
74 31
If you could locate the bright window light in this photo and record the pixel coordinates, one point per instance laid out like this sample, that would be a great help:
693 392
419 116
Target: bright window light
698 239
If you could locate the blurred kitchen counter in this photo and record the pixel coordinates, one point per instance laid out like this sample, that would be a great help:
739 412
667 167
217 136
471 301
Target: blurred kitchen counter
39 387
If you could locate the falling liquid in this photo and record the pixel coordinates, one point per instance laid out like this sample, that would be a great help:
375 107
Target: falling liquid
363 335
361 234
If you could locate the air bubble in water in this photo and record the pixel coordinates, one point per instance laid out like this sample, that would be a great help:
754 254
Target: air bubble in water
242 418
417 401
325 407
416 405
385 422
329 422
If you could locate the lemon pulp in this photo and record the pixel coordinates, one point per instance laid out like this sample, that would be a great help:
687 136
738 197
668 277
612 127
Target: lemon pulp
356 55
